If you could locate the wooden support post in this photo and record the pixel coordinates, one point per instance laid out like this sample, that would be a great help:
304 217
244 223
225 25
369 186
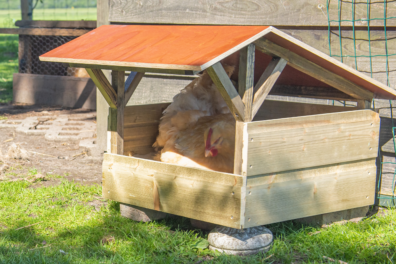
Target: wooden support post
117 137
27 9
104 86
314 70
246 79
363 104
266 82
227 90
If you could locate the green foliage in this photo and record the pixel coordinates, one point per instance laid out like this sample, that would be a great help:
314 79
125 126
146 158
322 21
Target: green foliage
14 4
8 66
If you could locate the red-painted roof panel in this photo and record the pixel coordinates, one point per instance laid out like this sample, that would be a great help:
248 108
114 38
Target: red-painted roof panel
155 44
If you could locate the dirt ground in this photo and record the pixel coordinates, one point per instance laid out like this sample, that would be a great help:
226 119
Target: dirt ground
63 158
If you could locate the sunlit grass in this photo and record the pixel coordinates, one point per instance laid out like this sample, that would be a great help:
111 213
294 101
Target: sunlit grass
59 224
8 65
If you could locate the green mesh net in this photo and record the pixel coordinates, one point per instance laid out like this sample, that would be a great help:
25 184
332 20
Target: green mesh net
336 25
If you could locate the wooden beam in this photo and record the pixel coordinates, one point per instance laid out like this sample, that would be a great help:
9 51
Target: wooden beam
27 9
104 86
117 137
44 31
56 24
133 85
266 82
246 79
227 90
310 92
363 104
314 70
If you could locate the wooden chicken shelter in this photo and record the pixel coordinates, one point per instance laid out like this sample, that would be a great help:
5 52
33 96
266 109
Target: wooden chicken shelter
292 160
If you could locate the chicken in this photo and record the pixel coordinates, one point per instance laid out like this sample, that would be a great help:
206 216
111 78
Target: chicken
208 144
197 128
198 99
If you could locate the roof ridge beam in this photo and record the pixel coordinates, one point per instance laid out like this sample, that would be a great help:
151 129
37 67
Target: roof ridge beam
313 70
227 91
266 82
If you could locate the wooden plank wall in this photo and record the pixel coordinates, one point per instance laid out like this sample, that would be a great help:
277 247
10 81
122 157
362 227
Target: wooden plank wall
141 127
273 198
306 142
199 194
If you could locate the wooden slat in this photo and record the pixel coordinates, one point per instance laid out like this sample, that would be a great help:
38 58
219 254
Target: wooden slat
104 86
266 82
363 104
272 109
304 142
310 92
141 127
132 87
227 90
246 79
44 31
314 70
56 24
119 84
199 194
285 196
254 12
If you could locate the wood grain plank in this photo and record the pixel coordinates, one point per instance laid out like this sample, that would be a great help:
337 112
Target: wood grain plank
254 12
199 194
246 79
103 86
227 90
285 196
56 24
304 142
132 87
310 92
272 109
119 85
44 31
314 70
266 82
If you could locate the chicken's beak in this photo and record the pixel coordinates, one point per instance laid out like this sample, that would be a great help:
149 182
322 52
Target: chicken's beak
208 153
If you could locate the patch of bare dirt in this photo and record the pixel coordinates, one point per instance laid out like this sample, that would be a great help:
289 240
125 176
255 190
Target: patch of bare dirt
51 159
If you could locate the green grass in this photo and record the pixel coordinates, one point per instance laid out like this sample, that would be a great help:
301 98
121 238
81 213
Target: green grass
8 66
62 219
9 17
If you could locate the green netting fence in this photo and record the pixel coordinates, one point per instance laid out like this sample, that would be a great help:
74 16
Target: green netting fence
336 28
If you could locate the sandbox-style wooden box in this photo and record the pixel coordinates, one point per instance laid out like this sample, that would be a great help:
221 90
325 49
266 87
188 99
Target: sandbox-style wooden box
297 167
292 160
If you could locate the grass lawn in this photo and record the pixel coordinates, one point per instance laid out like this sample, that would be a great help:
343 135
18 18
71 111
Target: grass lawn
9 17
58 224
8 65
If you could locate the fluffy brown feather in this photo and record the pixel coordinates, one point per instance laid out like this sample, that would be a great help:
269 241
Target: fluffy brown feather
186 124
189 147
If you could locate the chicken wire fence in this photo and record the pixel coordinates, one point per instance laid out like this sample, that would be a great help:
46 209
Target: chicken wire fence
371 53
37 45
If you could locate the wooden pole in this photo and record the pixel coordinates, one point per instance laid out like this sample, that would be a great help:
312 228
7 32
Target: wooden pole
27 9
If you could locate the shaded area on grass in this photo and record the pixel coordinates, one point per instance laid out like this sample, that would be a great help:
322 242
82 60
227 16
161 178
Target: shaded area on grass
60 225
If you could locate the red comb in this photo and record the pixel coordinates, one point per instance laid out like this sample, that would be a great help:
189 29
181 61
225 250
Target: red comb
209 138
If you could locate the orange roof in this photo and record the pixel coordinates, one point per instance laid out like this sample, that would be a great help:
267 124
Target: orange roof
146 46
190 48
